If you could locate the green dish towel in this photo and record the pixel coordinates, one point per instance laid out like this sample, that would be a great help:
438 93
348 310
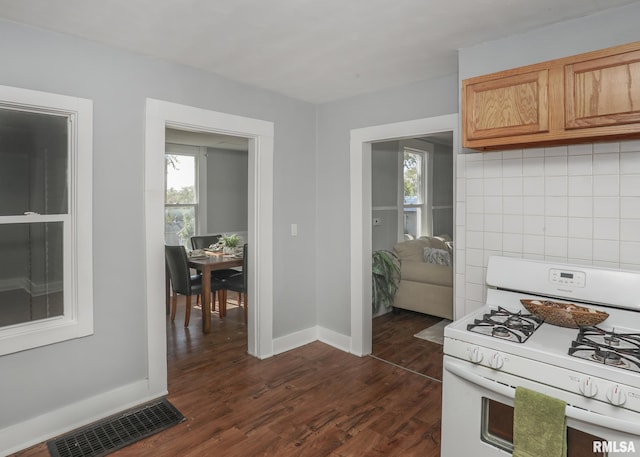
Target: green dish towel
539 425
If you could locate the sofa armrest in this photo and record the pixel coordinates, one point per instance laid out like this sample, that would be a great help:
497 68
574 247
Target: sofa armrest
427 273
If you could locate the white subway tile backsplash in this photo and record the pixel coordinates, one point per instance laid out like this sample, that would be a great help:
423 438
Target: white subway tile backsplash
630 230
475 239
606 164
606 228
580 165
532 166
512 186
606 186
475 274
600 148
577 204
630 207
630 146
630 162
555 185
580 206
512 205
512 167
580 186
533 185
579 248
533 244
475 257
580 227
606 251
578 149
533 225
475 186
492 241
492 168
556 226
606 206
630 252
492 186
475 222
556 151
493 204
474 169
512 223
512 242
555 246
493 223
475 204
533 205
556 206
630 185
555 166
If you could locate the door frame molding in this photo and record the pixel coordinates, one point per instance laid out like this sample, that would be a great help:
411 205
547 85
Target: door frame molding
360 199
160 115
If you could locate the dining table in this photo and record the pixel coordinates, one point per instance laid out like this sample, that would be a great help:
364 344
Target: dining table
207 263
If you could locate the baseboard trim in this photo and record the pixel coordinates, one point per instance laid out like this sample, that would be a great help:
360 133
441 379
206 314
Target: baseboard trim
309 335
70 417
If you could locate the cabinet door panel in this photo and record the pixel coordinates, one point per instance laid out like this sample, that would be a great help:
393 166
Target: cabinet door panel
603 92
512 105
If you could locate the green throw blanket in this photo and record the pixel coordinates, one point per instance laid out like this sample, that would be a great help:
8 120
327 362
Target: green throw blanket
539 425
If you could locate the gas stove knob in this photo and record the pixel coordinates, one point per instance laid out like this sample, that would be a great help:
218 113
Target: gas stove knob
475 354
616 396
496 361
588 388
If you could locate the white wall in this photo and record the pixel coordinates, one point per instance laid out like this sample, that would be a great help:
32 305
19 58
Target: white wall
577 204
112 360
334 125
384 194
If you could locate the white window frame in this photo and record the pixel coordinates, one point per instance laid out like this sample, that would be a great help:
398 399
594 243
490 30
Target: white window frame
200 206
424 218
77 318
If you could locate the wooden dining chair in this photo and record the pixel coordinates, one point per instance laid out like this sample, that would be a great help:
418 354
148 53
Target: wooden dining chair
183 282
238 283
203 242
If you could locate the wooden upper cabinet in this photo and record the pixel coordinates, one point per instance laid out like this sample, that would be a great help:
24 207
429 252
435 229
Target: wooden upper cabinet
585 98
602 92
507 106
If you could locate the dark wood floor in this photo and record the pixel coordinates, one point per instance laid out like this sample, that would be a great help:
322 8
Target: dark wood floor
311 401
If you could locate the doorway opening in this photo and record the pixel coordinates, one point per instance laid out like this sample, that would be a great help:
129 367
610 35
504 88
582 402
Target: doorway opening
161 115
361 212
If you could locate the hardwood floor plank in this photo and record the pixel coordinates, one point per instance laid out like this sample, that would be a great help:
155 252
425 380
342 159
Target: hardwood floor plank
314 401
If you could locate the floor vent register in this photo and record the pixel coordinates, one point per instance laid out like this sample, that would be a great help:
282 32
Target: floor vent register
118 431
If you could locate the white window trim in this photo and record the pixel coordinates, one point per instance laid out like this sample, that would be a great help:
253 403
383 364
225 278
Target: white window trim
425 218
200 206
77 319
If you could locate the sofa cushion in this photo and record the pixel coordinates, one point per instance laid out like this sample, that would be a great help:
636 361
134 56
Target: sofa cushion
411 250
427 273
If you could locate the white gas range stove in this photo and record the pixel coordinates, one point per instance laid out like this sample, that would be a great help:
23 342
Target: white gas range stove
596 370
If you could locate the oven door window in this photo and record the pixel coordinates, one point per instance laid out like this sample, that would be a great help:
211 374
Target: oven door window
497 430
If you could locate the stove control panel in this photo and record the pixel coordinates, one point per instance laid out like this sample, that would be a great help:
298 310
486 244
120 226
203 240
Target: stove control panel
567 277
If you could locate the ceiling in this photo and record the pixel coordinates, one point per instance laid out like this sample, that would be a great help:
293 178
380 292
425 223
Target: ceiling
312 50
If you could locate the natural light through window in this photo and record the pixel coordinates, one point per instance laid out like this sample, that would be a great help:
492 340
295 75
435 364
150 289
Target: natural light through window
413 169
181 199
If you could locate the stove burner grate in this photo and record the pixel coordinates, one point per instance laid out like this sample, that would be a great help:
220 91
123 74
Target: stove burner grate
609 348
504 324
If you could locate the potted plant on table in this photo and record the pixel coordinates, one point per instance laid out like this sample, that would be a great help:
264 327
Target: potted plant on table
385 279
229 243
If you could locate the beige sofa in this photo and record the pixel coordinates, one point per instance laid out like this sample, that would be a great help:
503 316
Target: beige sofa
425 287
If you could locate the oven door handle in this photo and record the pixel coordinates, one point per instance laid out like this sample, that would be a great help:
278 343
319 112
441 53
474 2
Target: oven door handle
571 411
